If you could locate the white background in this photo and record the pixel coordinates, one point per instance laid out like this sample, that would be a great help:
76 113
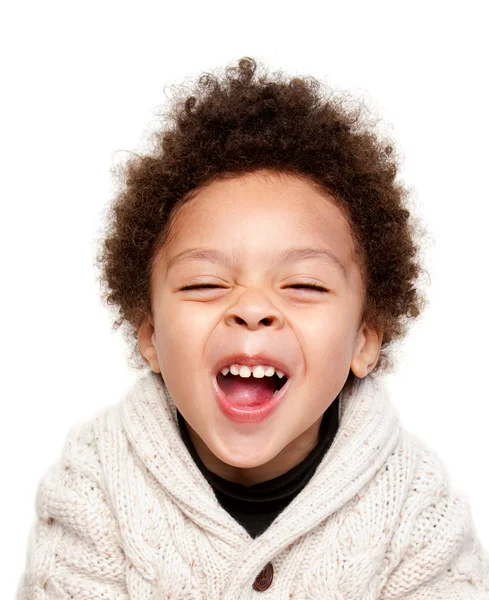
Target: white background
82 81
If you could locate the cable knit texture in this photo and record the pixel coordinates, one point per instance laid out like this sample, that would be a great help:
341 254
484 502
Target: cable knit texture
126 514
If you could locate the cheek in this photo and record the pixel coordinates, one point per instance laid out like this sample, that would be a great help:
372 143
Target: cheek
327 338
323 325
178 353
181 331
193 320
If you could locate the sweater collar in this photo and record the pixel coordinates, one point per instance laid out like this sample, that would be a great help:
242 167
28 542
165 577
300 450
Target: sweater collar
368 432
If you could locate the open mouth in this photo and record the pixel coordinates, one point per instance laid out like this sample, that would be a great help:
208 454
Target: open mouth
249 391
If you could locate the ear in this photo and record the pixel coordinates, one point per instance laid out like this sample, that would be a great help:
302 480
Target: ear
366 351
147 344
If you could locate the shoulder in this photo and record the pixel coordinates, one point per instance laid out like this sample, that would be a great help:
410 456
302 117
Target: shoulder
430 475
431 504
435 532
77 476
75 543
430 482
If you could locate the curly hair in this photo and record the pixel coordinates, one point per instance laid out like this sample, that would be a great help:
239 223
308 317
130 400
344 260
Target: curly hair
243 120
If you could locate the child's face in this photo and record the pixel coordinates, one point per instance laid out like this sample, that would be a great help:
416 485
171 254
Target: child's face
252 221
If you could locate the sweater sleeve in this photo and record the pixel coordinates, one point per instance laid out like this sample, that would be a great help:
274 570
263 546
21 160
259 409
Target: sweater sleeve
74 550
439 554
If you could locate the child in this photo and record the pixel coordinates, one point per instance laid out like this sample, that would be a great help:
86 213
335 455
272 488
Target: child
263 261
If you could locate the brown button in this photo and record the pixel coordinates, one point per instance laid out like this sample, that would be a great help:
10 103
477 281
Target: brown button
264 579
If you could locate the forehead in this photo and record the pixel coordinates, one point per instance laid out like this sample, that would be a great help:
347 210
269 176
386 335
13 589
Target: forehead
260 214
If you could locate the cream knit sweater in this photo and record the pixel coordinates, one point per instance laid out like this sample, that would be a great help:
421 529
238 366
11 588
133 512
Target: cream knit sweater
126 514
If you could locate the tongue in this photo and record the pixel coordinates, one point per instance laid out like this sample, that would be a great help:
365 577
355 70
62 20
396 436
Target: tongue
246 392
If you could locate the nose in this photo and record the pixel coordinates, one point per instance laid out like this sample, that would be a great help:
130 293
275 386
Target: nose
254 310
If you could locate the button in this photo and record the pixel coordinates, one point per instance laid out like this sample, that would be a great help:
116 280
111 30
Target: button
264 579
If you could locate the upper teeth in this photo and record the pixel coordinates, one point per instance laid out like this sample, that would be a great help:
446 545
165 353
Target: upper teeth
257 371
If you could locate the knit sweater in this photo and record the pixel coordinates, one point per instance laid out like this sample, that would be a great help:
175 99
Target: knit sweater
127 514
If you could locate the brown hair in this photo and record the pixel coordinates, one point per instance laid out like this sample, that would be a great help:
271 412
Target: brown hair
243 120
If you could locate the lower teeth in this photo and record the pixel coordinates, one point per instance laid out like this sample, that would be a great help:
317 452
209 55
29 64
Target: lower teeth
274 393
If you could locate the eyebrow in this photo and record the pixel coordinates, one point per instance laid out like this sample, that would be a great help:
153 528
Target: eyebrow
295 254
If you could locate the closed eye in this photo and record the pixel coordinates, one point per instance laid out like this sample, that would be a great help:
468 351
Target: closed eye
311 286
198 286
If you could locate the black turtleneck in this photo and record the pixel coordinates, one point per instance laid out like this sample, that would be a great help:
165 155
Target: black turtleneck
257 506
